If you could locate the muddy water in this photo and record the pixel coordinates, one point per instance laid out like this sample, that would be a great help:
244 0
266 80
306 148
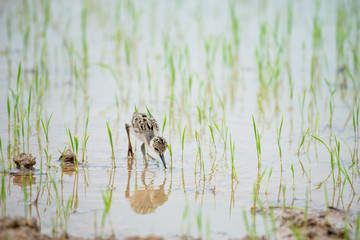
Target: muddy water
145 198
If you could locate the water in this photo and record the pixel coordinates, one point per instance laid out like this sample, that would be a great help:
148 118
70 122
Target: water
148 199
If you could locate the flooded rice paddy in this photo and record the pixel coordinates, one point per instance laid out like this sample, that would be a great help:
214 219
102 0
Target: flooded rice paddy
258 101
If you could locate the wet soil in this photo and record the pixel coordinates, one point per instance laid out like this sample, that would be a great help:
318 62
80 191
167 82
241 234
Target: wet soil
24 161
294 224
28 229
68 156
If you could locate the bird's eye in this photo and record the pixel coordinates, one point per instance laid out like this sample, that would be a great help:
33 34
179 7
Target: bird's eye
156 149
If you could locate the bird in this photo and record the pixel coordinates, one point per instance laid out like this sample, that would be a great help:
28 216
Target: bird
146 128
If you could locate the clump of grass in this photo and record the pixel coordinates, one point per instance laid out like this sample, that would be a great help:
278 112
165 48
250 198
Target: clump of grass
111 143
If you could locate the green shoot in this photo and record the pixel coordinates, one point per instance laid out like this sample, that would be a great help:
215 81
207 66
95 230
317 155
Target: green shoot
267 185
257 141
163 126
46 129
212 137
2 157
171 155
302 141
182 142
147 109
293 175
111 143
278 140
232 153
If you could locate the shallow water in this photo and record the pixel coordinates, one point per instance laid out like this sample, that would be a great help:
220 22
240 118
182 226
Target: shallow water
145 198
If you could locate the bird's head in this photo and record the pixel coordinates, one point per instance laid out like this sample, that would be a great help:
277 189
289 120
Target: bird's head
159 145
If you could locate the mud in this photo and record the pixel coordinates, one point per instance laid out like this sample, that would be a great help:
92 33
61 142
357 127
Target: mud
317 225
24 161
294 224
68 157
28 229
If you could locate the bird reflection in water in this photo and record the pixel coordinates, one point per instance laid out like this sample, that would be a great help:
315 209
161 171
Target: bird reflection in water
145 201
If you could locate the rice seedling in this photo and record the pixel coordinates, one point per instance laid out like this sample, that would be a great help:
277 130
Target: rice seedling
306 206
86 136
2 158
331 157
71 139
163 126
232 153
186 213
199 154
127 51
302 104
223 133
147 109
183 142
265 220
3 196
95 225
284 199
46 130
171 155
106 213
26 195
66 215
302 141
48 158
267 185
278 141
249 231
28 119
199 223
258 144
293 176
357 227
8 112
212 137
111 143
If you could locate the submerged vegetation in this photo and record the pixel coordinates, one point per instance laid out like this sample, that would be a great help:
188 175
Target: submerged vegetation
222 80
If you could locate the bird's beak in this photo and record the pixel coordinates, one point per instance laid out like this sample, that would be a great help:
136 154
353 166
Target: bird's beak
163 160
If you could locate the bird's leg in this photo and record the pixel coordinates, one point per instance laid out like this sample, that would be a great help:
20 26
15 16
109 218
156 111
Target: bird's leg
130 151
143 149
144 154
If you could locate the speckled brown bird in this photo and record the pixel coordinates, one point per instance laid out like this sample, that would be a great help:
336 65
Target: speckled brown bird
146 129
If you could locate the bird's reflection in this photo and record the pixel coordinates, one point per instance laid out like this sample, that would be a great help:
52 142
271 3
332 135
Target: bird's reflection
146 200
